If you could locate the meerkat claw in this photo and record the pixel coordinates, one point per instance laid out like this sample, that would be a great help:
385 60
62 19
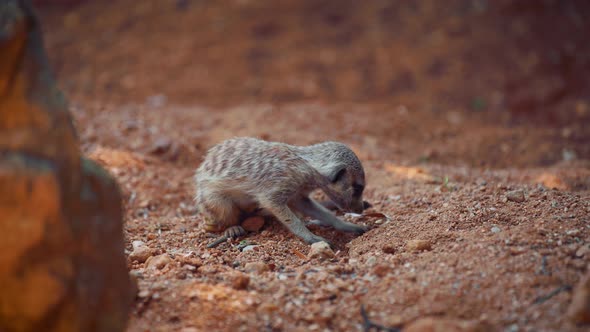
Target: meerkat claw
234 231
231 232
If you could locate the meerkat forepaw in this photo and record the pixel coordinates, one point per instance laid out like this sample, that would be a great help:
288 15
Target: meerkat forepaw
351 228
362 229
317 222
317 238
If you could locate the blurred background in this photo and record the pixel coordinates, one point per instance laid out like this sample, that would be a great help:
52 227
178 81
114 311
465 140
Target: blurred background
421 70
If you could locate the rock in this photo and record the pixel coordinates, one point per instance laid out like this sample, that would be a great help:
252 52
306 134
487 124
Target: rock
579 309
140 252
371 261
381 270
441 324
253 224
584 250
495 229
250 248
553 181
239 280
158 262
137 244
568 155
190 261
156 101
161 145
388 249
144 293
62 260
321 250
256 267
418 245
515 196
136 274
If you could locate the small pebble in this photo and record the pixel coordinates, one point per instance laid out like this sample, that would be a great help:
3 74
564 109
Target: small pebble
156 101
320 250
388 249
158 262
256 267
381 270
496 229
137 244
161 145
137 274
442 324
371 261
253 224
239 280
515 196
189 329
583 251
418 245
143 294
140 252
250 248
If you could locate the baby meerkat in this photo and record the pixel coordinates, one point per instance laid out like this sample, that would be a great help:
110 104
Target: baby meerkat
242 176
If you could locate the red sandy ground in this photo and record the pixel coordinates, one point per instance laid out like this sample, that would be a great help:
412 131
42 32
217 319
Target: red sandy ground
449 104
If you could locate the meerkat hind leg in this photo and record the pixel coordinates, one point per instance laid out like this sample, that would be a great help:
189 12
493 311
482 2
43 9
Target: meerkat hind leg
221 213
231 232
234 231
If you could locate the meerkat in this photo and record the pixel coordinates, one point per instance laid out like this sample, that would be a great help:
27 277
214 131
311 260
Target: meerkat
241 176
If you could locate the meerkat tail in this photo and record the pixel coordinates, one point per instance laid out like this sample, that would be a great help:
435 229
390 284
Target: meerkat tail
218 241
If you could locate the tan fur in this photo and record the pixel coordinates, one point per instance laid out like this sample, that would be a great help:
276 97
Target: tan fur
242 175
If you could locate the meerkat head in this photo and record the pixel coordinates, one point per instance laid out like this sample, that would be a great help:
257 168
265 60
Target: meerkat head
345 175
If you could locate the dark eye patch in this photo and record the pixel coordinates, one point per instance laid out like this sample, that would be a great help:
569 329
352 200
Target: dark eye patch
357 189
339 175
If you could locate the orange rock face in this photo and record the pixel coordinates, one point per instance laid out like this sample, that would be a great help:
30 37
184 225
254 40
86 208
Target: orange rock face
62 265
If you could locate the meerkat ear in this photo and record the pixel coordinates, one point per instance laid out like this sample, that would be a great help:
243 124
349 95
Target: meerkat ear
337 176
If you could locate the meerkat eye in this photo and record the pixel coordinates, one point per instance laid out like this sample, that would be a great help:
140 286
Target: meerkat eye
358 189
339 175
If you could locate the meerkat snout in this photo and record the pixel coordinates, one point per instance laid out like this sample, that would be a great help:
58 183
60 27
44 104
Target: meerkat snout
348 185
